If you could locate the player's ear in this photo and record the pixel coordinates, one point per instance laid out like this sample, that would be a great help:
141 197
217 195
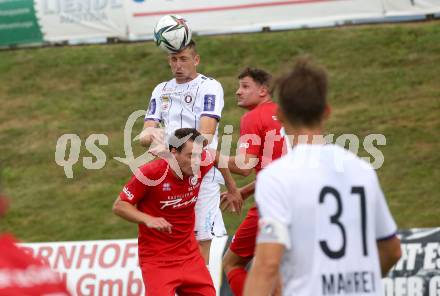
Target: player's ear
264 91
196 60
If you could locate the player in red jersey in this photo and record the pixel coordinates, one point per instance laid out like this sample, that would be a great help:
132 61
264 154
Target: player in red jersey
20 273
260 143
169 254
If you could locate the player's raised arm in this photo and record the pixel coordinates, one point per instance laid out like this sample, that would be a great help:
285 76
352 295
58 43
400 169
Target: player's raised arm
150 133
208 126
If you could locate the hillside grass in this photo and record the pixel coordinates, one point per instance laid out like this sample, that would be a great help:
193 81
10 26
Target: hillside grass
384 79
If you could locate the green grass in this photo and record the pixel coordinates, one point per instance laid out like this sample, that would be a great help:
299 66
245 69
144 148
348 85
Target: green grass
383 79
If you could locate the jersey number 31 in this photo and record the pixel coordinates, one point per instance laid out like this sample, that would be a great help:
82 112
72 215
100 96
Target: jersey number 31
330 192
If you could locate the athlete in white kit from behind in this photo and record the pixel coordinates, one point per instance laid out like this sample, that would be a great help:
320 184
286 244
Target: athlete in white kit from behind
324 222
190 100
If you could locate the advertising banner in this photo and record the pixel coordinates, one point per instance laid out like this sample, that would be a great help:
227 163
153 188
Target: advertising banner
106 267
418 271
63 20
18 24
410 7
228 16
110 267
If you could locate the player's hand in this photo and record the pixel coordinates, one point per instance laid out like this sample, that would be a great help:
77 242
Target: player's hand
160 150
159 223
231 201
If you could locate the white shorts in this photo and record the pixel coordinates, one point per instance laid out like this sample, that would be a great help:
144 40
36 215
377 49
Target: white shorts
209 219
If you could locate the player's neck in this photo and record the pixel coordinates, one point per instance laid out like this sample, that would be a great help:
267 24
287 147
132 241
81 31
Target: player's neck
187 79
263 101
305 135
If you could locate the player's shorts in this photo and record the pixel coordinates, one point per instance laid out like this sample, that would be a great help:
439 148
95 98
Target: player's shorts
243 242
209 219
186 278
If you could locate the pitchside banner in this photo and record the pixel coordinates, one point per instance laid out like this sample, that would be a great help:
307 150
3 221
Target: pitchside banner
18 24
410 7
228 16
63 20
105 268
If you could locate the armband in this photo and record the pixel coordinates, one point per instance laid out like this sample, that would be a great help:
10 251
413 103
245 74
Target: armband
273 231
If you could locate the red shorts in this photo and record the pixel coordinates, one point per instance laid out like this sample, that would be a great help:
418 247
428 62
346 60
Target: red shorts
188 277
243 242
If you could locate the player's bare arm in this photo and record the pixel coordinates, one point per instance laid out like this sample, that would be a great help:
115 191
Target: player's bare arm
150 133
263 277
208 126
241 164
247 190
389 253
130 213
232 200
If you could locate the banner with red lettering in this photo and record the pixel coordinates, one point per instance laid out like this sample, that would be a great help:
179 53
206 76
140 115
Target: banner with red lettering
107 267
94 268
110 267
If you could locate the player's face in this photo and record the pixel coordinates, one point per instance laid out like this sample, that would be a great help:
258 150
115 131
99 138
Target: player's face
249 93
184 65
189 158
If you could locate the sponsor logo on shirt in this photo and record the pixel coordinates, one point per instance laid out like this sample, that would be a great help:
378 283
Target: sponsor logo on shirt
209 103
165 102
177 203
128 193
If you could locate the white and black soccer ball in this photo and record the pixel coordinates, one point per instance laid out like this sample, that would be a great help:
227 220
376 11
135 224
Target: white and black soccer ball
172 33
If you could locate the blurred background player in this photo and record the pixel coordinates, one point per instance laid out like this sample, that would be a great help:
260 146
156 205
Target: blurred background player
323 217
260 143
190 100
169 255
22 274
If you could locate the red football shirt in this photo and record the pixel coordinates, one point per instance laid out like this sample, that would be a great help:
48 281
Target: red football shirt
21 274
260 134
172 199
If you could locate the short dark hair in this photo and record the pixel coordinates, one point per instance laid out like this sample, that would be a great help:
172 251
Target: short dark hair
191 45
258 75
192 134
302 92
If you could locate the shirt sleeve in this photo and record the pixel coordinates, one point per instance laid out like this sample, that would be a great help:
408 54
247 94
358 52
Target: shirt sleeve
212 100
250 136
385 225
155 106
134 191
272 204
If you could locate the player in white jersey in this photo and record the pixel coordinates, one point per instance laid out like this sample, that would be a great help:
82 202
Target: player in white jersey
190 100
324 222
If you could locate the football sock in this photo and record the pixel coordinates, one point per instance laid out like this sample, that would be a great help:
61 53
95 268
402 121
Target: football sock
236 279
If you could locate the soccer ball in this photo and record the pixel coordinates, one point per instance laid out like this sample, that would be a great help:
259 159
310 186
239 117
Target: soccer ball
172 33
